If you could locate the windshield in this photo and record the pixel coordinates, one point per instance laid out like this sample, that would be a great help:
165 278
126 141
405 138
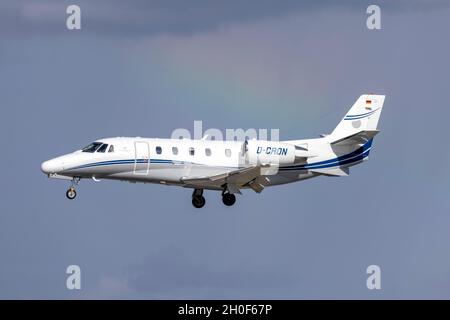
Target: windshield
102 148
92 147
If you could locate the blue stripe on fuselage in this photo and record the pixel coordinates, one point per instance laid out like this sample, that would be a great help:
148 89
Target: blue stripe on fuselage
127 161
351 157
344 159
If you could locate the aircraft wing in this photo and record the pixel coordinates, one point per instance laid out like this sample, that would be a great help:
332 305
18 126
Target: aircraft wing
234 180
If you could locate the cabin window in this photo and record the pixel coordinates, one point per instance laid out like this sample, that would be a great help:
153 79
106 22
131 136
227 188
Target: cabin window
102 148
158 150
208 152
191 151
111 148
175 150
228 152
92 147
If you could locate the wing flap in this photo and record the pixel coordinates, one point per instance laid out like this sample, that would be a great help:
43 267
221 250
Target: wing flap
234 180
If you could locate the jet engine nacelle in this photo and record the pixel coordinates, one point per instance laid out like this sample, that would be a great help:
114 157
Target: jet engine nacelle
270 152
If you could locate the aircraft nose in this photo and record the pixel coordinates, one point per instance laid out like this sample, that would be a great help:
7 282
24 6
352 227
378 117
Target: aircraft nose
49 166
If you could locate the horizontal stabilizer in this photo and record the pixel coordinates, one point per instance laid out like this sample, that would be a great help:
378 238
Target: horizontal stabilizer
360 137
336 172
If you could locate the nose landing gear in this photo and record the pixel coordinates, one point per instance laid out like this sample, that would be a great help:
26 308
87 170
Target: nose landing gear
71 193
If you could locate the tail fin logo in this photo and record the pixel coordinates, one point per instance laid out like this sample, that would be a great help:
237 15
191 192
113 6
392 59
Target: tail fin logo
360 116
368 104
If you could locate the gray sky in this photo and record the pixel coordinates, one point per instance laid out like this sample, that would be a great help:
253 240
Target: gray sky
145 68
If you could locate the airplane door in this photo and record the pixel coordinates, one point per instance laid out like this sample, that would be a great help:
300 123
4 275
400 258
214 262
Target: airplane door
142 157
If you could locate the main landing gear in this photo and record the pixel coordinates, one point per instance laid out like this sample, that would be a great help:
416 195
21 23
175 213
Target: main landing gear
228 199
71 193
199 201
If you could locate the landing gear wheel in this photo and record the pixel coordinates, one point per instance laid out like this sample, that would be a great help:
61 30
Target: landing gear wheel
228 199
198 201
71 194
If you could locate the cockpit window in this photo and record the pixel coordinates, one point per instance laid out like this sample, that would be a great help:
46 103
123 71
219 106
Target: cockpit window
92 147
102 148
111 148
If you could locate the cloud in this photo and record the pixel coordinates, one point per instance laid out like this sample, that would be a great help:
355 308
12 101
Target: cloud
175 17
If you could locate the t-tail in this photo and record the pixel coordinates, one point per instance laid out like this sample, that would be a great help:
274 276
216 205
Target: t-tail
356 130
362 116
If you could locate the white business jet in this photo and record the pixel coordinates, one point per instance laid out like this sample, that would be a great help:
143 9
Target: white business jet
226 166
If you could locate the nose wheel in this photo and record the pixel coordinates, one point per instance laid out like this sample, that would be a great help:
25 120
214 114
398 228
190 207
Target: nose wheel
71 193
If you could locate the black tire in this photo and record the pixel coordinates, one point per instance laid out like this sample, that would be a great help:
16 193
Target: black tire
198 201
228 199
71 194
